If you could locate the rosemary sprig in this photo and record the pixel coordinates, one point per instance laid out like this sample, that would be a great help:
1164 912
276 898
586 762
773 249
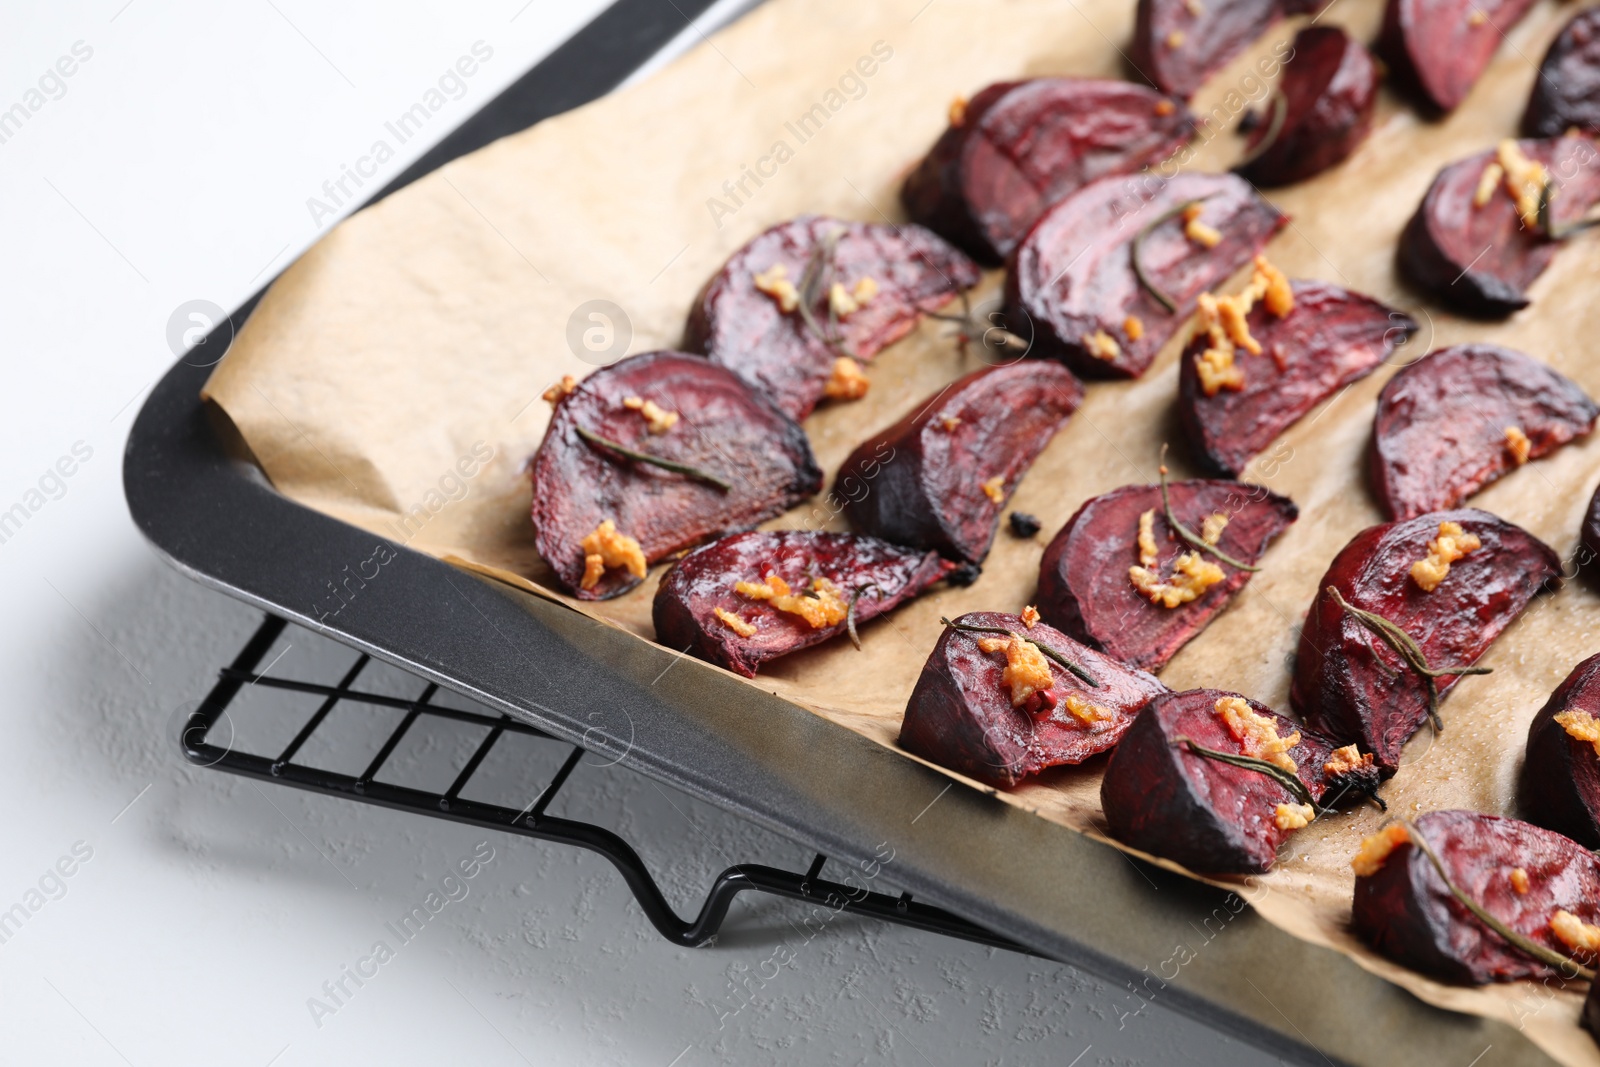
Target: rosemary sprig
850 612
1406 647
1191 538
656 461
1137 247
1049 653
1280 111
813 284
1293 784
997 336
1569 967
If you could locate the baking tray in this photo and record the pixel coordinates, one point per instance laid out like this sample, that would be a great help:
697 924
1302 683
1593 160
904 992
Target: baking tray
1156 937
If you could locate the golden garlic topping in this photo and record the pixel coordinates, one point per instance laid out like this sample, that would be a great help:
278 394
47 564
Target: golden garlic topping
1030 615
1346 759
1211 527
1519 881
1452 543
995 488
1192 575
1102 345
1488 182
736 624
1133 326
846 382
1581 938
774 281
950 422
1294 816
958 111
1581 726
658 420
1526 181
560 390
1257 734
1027 671
1175 39
1197 231
1375 849
606 548
1149 555
825 606
1224 321
1518 445
845 302
1085 712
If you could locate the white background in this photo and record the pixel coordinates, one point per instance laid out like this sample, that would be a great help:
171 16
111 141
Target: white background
176 166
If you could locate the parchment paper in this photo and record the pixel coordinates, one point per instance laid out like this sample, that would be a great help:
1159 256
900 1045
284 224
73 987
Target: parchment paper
428 325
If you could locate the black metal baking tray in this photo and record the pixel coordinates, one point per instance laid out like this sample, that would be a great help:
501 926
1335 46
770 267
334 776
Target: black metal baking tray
1158 937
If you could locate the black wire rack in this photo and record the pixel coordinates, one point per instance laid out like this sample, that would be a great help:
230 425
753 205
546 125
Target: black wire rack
423 712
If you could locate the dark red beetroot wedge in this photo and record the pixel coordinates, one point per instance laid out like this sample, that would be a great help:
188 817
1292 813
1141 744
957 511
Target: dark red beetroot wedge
1590 1020
1350 684
780 353
940 477
1328 90
1589 536
1163 798
1073 278
1438 48
1178 44
961 716
1084 587
1018 147
1566 95
1480 258
1444 424
1405 910
1329 339
698 608
1560 784
723 429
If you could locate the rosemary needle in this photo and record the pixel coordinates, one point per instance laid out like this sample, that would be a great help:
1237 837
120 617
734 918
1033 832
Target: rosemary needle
656 461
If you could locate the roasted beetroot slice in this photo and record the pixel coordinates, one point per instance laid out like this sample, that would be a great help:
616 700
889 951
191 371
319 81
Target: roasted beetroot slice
1329 339
1589 536
1590 1019
724 429
1405 910
1177 45
940 477
960 714
1443 426
1349 683
1438 48
777 352
699 586
1329 88
1481 260
1214 818
1018 147
1566 95
1084 588
1560 784
1072 279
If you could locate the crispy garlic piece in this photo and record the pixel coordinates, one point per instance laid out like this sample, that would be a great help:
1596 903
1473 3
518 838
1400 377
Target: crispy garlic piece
1258 735
1581 726
1294 816
846 382
1452 544
995 488
1192 575
736 624
1344 760
607 548
1201 234
774 281
1149 554
561 390
845 302
1375 849
1085 712
658 420
958 111
826 606
1580 937
1027 671
1519 881
1211 527
1224 321
1102 345
1526 181
1518 445
1030 615
1133 326
1493 174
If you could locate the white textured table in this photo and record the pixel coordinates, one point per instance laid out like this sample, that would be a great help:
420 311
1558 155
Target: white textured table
150 913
